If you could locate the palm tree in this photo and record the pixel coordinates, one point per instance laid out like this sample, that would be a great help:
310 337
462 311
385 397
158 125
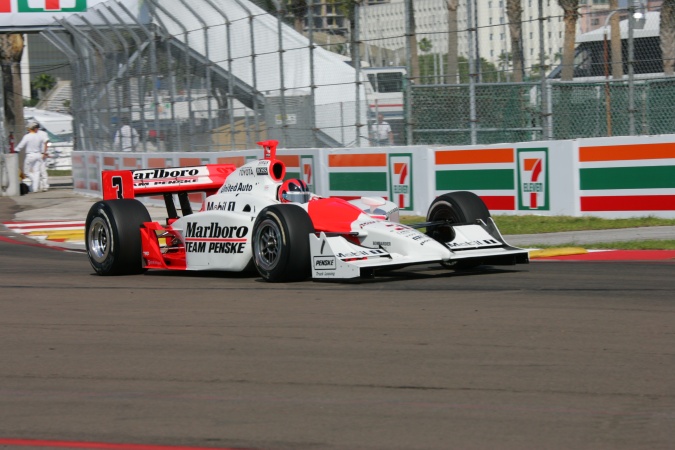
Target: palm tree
298 9
11 50
414 58
571 14
453 68
514 13
617 64
667 32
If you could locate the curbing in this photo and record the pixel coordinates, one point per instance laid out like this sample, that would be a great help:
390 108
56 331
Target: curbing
561 251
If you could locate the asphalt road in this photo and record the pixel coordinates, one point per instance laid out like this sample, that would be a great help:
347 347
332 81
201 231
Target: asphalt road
551 355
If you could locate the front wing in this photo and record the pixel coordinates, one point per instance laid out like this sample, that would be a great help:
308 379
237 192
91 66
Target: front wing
334 257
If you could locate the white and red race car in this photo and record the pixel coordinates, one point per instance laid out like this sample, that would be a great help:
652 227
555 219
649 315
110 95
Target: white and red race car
252 218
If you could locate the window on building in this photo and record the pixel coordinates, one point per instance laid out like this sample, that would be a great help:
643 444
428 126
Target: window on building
386 82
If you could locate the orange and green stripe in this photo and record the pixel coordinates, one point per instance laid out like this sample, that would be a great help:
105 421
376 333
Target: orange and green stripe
490 173
356 172
632 177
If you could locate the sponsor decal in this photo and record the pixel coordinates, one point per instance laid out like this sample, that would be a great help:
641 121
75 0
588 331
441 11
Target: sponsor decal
307 171
237 187
476 243
365 224
361 254
382 243
215 231
220 206
215 247
533 189
400 180
155 174
213 238
246 172
44 6
159 177
324 263
262 170
288 119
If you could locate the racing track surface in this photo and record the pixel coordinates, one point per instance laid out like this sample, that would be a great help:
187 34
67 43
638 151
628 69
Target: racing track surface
554 355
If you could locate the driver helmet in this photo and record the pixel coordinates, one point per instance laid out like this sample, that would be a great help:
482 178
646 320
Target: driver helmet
294 191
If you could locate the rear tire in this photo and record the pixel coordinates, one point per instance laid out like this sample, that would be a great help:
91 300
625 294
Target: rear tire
281 243
456 208
113 237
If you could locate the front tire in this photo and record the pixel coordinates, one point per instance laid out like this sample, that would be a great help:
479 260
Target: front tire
281 243
113 237
455 208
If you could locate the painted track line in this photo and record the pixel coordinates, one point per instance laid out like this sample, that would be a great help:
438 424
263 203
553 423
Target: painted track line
50 231
16 442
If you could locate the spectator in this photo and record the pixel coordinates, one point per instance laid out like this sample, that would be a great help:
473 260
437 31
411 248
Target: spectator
35 145
44 177
126 137
381 133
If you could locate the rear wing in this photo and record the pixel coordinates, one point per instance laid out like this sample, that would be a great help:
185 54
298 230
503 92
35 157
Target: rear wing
209 178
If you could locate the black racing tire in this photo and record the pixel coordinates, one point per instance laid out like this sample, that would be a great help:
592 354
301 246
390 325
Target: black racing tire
281 243
455 208
459 207
113 237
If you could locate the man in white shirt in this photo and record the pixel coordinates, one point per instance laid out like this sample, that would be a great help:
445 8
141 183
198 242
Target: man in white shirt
381 133
126 137
35 145
44 177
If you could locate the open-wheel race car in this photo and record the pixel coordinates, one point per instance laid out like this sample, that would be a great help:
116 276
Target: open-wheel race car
251 219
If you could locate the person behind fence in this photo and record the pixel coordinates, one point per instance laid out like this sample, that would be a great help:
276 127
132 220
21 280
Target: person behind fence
126 137
381 132
35 145
44 177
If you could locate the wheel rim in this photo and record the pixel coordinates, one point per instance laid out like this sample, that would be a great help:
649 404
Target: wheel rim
443 211
99 240
268 245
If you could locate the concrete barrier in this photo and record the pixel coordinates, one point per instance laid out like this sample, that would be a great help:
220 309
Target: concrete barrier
605 177
9 174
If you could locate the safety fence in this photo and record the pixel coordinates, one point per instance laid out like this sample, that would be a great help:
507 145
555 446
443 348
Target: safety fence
608 177
207 75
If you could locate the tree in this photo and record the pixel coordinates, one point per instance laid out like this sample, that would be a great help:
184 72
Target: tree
414 58
298 9
425 46
571 14
42 83
453 68
617 64
514 12
667 33
11 51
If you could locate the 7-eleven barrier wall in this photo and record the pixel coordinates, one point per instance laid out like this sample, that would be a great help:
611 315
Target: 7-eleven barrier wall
606 177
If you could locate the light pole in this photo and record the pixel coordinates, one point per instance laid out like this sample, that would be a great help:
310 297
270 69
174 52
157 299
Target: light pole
633 14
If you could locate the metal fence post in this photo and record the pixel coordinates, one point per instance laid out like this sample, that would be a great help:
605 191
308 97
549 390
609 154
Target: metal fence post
312 83
472 77
408 87
230 74
356 57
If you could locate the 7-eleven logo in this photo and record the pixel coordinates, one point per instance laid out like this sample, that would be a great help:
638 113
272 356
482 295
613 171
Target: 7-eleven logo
533 179
307 170
400 176
41 6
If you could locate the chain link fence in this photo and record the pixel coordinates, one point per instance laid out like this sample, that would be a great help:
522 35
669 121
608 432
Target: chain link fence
213 75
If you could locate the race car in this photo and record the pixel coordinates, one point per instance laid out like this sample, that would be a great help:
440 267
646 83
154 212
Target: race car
252 219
